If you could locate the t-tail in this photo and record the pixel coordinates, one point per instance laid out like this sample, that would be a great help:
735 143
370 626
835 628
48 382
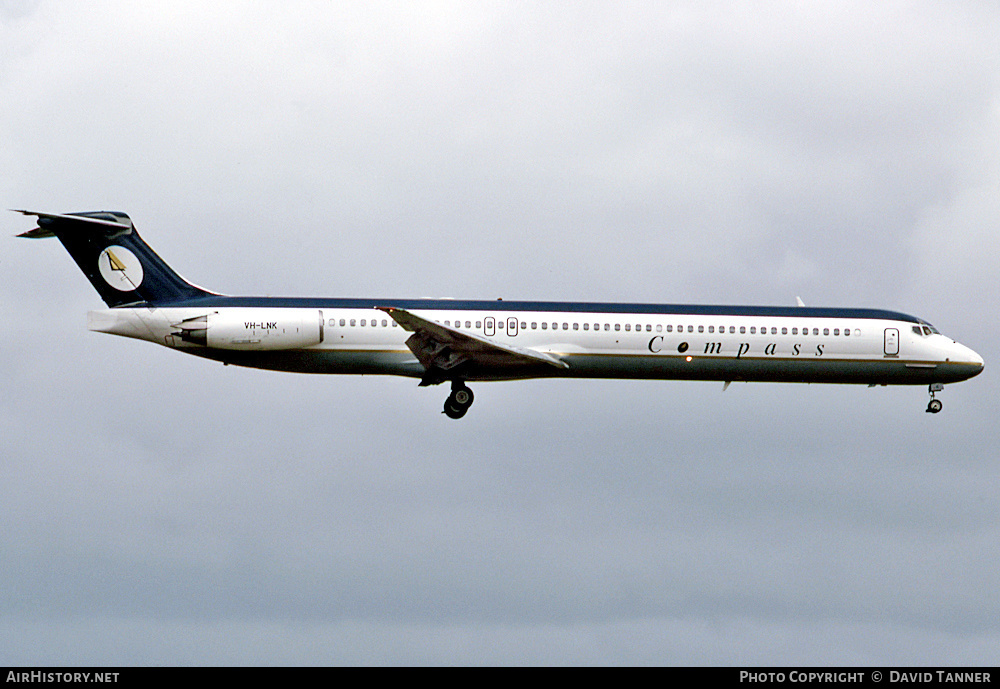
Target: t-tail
118 263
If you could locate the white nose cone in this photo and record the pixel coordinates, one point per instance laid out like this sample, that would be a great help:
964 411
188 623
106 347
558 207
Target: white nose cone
963 355
975 358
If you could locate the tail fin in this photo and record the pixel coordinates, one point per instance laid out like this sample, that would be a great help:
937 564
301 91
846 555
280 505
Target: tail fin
110 252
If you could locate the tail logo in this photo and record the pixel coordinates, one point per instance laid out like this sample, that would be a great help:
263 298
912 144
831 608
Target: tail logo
120 268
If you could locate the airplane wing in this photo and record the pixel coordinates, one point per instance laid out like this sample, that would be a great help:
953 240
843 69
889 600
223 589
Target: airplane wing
442 349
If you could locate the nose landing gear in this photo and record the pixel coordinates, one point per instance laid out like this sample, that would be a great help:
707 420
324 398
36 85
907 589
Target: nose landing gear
934 406
458 401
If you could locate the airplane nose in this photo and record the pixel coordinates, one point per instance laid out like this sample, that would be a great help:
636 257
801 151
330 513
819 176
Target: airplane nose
977 359
971 357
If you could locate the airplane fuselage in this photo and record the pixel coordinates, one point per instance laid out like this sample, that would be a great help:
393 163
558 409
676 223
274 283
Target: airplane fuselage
735 343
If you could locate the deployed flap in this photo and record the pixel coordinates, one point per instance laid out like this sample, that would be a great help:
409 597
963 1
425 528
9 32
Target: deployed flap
442 349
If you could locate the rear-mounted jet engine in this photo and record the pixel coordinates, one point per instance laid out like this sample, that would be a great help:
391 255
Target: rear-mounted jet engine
254 329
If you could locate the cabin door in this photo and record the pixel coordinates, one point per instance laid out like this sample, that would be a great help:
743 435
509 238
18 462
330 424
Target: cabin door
891 342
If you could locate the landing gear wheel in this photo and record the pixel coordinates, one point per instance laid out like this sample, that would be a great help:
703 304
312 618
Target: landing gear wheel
458 401
454 413
934 406
462 397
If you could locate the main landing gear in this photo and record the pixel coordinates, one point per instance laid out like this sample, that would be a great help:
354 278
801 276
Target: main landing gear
458 401
934 406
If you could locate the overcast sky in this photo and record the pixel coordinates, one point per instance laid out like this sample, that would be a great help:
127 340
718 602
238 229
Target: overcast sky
162 509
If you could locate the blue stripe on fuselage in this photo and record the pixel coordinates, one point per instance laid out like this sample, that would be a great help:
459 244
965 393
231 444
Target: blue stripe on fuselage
219 301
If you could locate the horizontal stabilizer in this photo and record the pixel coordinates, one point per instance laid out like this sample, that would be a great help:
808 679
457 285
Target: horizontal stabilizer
106 220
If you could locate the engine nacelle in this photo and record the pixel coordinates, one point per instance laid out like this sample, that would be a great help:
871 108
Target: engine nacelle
254 329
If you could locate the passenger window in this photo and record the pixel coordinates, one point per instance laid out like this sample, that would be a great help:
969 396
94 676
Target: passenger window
545 326
353 322
753 329
523 325
586 326
743 330
618 326
534 325
795 331
701 328
363 321
784 331
836 331
628 327
711 328
565 326
576 326
659 328
343 323
670 328
815 331
826 331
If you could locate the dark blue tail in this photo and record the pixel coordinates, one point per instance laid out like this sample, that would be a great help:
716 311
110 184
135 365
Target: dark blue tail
110 252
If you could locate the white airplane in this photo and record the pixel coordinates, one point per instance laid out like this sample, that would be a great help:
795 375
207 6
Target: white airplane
452 341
